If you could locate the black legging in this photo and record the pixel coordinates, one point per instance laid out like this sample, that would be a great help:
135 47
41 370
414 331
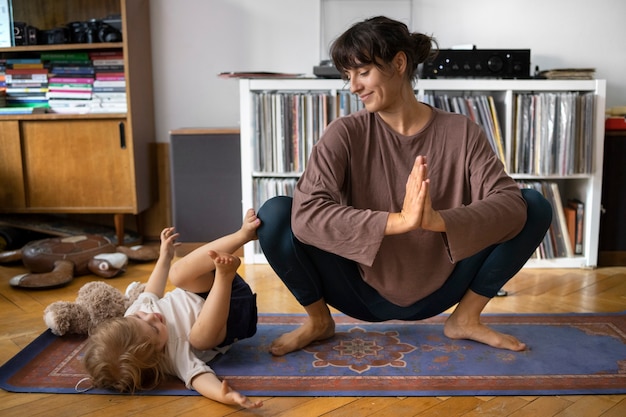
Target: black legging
312 274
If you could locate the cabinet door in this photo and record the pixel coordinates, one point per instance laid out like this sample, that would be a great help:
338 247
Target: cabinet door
11 173
78 165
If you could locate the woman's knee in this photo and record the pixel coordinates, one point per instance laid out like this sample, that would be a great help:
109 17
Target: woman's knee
275 215
275 235
539 209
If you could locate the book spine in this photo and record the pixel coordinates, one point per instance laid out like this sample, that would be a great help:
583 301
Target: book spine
109 89
110 77
28 66
70 80
104 54
15 71
64 56
11 90
579 208
12 61
107 62
105 83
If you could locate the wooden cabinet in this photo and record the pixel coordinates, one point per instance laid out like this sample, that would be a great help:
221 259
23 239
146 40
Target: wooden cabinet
274 153
77 165
83 163
12 195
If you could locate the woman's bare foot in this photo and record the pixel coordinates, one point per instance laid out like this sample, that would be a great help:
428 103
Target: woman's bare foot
319 325
464 323
478 332
301 337
225 263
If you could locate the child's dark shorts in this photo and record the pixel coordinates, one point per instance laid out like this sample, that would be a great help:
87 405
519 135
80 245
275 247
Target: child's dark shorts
242 317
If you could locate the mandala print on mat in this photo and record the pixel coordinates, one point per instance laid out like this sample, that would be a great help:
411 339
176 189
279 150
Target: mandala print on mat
360 350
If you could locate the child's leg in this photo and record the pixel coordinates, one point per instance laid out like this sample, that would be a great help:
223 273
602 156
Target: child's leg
209 330
194 272
242 314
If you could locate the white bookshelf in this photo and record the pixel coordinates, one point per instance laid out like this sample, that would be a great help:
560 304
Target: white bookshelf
585 187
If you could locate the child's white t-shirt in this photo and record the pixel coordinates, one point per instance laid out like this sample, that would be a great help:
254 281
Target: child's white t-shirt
180 309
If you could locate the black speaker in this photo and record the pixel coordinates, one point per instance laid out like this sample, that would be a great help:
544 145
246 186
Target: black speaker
478 63
206 183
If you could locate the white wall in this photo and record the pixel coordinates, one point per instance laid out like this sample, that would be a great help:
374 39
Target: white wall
194 40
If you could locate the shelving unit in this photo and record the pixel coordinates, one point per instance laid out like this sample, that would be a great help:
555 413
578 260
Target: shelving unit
583 186
83 163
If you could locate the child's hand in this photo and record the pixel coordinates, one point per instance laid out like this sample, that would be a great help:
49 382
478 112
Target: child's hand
168 243
234 397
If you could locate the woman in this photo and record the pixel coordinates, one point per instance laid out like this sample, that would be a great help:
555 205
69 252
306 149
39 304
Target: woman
403 210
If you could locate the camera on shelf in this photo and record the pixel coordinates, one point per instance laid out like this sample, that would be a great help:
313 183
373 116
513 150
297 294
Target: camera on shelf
90 31
93 31
53 36
24 34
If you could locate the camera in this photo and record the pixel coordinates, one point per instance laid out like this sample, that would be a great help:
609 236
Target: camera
90 31
24 34
93 31
53 36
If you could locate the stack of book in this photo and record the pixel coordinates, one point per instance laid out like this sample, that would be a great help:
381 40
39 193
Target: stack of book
287 126
26 83
3 85
565 235
568 74
109 89
21 109
553 133
348 103
70 82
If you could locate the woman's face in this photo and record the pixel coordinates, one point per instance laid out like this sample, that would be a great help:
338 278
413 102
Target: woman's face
378 90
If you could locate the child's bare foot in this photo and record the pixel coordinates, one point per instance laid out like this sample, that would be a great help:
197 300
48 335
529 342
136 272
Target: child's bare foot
250 223
456 329
311 331
226 264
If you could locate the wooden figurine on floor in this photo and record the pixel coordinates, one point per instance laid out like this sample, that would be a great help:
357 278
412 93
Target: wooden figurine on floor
53 262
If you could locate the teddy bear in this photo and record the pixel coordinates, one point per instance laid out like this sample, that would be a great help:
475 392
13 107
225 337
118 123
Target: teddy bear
96 302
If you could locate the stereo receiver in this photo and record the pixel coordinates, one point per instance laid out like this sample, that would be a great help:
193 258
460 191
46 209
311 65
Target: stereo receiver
478 63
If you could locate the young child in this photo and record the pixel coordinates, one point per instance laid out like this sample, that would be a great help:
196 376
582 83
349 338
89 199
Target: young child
179 332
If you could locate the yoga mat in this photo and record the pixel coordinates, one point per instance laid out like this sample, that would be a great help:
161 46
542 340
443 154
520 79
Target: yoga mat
568 354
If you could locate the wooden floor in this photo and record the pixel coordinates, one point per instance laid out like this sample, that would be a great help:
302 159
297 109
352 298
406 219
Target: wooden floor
531 291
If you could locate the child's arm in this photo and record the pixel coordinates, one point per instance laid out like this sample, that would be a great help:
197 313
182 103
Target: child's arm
158 278
211 387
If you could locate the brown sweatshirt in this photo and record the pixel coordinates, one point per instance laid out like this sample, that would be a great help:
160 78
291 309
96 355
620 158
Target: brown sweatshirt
357 175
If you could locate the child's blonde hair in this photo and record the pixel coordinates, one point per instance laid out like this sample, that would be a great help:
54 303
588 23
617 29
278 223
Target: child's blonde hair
118 357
